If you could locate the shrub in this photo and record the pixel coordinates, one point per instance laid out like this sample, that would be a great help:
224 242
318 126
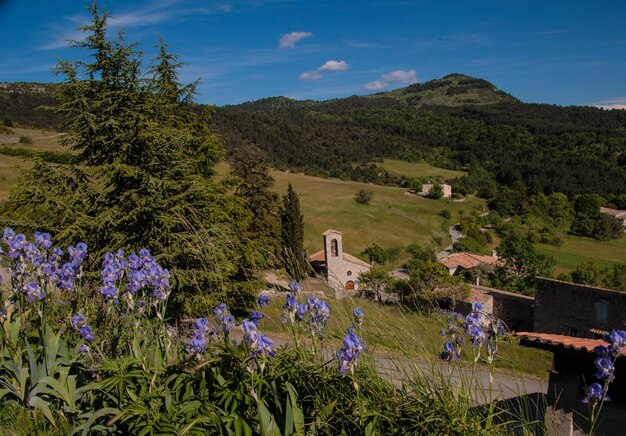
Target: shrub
376 254
445 214
26 140
363 196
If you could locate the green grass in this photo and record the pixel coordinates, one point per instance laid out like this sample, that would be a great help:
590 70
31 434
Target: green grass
395 332
419 169
10 167
575 250
393 219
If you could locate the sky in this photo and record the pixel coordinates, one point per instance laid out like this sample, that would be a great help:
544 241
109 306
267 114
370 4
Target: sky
558 52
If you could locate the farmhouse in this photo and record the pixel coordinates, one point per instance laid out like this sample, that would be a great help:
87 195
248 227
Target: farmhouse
564 308
458 262
341 269
615 213
447 189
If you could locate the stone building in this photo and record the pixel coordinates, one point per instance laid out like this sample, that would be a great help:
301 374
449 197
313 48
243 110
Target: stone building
582 311
615 213
341 269
515 310
447 189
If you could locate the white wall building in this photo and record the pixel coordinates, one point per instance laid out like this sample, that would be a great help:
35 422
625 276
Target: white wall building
341 269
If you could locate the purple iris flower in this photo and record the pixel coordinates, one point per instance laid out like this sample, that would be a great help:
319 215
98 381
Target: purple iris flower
263 301
595 393
605 369
86 333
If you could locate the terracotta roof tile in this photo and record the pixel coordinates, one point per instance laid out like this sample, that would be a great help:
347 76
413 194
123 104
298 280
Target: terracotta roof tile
317 257
583 344
467 260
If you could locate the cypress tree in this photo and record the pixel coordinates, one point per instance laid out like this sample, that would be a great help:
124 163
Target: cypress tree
292 232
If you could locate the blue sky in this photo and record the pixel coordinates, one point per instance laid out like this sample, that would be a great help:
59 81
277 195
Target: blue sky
562 52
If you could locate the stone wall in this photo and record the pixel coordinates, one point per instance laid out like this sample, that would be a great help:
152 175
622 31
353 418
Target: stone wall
515 310
574 310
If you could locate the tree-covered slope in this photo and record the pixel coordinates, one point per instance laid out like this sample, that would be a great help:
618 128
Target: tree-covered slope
456 122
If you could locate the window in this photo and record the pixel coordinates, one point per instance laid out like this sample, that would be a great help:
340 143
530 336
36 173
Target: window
350 285
602 311
349 273
334 250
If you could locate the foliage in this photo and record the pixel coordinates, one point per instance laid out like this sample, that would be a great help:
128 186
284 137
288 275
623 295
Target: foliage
429 281
25 140
376 254
292 234
436 192
591 273
249 165
591 223
144 178
46 156
519 266
500 144
363 196
445 214
58 364
374 283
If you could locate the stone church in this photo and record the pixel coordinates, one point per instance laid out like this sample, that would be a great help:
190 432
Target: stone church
341 269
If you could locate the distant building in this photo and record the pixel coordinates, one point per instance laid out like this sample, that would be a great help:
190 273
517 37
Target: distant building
615 213
582 311
458 262
447 189
341 269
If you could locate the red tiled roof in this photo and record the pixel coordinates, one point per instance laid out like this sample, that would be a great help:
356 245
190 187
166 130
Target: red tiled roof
467 260
320 257
317 257
583 344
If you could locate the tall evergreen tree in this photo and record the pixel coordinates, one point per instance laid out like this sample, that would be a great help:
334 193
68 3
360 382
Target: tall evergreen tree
292 232
249 165
150 158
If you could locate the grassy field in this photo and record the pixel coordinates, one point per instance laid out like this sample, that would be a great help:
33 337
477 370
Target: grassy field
43 140
410 335
10 166
419 169
575 250
393 218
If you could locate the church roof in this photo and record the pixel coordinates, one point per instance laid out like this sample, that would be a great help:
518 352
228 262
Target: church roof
320 257
331 231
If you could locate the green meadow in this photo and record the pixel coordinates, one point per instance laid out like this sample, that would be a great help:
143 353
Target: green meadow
419 169
575 250
393 218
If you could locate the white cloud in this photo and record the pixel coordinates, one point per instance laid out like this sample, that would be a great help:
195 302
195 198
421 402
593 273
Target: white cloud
376 85
408 77
398 76
310 75
614 103
289 40
334 66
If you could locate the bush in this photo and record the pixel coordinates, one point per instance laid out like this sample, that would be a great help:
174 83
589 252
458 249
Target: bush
445 214
376 254
363 196
26 140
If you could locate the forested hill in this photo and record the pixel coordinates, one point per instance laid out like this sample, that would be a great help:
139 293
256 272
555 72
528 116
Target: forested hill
455 122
